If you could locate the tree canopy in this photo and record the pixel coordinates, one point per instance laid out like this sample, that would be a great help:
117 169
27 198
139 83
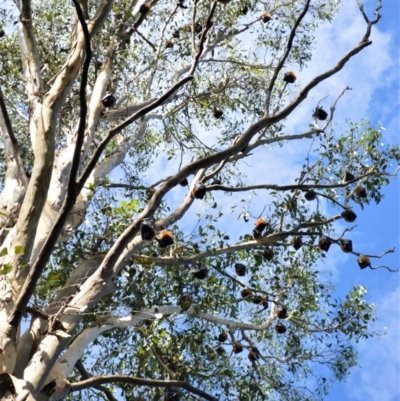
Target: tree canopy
149 248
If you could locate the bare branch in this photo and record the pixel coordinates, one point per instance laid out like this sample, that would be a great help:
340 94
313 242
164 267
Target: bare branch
86 375
377 256
231 324
281 62
7 122
146 40
202 38
370 23
303 187
385 267
139 382
170 373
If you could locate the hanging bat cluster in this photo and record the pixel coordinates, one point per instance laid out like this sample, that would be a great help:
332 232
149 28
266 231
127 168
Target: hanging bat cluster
324 243
348 176
148 229
237 348
143 10
184 182
363 262
266 17
109 100
223 337
361 192
261 300
280 328
181 4
289 77
310 195
349 216
240 269
268 253
199 190
260 224
253 354
201 272
297 243
165 238
346 245
320 114
281 312
217 113
148 233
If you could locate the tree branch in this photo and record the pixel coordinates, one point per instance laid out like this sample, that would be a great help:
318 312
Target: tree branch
303 187
139 382
284 57
370 23
231 324
116 130
37 268
15 181
86 375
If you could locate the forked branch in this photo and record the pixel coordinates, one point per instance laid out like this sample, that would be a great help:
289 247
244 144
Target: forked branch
38 266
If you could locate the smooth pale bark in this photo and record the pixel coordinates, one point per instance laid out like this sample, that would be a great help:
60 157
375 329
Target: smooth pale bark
15 181
43 116
75 351
8 346
27 346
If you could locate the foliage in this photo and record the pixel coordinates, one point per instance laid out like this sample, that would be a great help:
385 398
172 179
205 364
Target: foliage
230 112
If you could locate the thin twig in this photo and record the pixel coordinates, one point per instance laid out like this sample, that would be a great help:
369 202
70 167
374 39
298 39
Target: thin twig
145 39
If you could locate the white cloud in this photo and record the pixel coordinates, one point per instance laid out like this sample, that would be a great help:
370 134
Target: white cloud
369 70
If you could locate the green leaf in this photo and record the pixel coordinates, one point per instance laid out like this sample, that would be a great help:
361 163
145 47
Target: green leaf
4 252
19 249
52 277
6 268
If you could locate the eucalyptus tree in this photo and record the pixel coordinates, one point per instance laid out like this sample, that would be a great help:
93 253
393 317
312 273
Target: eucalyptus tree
128 271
